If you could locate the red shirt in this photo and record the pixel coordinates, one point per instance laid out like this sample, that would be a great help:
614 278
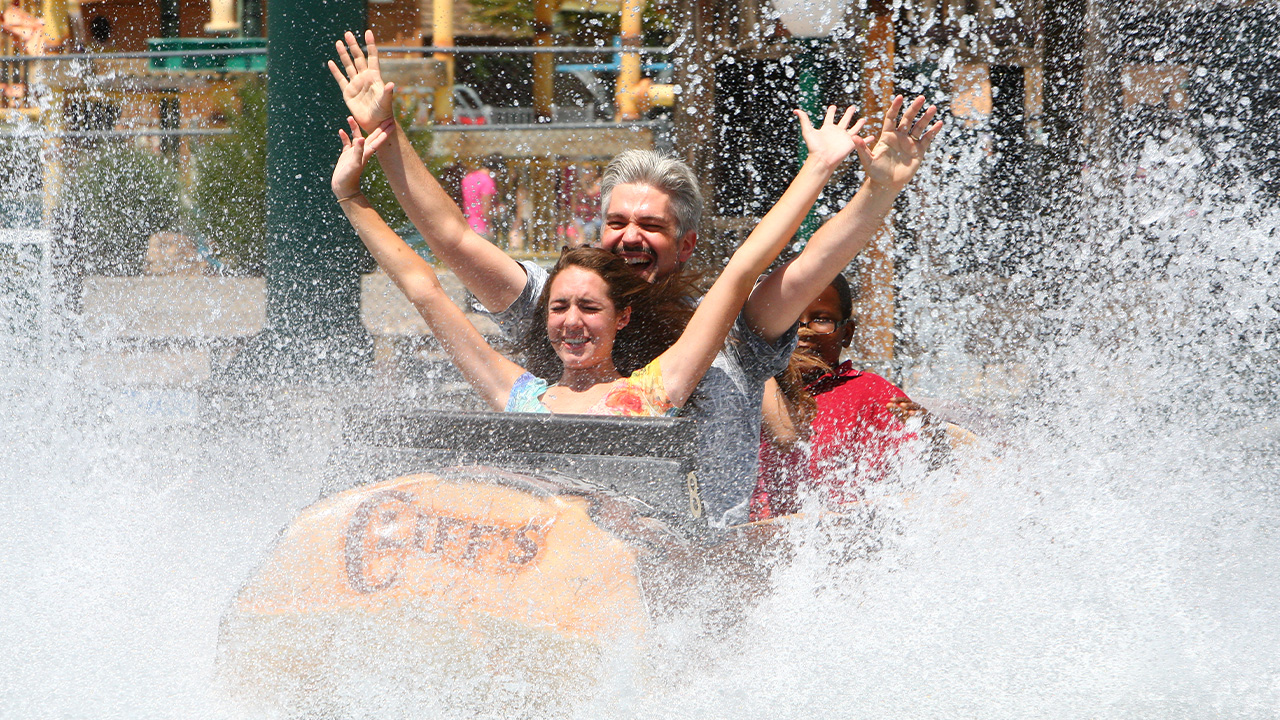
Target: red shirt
854 437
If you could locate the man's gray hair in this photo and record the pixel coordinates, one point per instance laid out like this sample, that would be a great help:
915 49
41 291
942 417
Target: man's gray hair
664 172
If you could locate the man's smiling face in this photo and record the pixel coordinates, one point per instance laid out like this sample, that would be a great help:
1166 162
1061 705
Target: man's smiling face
640 226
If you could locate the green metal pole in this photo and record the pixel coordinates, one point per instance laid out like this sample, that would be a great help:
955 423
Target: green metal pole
251 18
170 105
313 257
169 18
809 77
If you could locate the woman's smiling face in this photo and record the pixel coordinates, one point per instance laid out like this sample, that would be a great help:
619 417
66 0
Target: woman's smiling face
582 321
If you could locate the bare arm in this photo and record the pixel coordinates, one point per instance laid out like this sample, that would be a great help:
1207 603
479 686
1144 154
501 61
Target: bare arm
777 424
685 362
491 374
494 278
778 301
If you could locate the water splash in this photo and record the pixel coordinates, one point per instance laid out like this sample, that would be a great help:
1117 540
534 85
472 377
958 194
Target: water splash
1117 561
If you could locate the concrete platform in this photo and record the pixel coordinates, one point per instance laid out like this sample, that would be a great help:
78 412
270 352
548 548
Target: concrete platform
173 331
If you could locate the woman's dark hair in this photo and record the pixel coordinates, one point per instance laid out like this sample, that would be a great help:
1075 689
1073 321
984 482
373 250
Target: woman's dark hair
659 312
845 294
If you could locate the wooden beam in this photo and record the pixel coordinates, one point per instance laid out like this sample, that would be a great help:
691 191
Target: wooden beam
874 337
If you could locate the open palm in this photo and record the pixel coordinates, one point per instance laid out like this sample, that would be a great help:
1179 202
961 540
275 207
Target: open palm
833 141
368 98
897 153
356 151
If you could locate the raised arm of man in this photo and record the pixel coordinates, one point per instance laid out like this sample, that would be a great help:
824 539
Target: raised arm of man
779 299
489 273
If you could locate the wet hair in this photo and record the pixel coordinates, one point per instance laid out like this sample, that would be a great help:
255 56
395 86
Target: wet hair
664 172
659 312
845 293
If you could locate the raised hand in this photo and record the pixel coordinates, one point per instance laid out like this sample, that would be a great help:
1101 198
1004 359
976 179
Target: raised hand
356 151
896 155
367 97
905 409
832 142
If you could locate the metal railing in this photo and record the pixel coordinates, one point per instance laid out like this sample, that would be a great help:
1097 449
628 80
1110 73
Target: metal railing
521 50
542 202
406 49
16 85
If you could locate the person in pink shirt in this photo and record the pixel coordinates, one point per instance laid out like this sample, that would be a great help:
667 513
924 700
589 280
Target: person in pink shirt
478 189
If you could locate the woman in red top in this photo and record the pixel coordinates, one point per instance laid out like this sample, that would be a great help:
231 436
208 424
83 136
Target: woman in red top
827 425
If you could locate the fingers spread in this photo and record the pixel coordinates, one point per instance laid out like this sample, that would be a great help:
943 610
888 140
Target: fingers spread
912 111
357 55
930 134
847 117
372 47
345 57
904 121
921 125
805 124
337 75
891 115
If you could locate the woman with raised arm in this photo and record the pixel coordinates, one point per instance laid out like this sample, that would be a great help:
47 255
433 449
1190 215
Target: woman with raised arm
592 298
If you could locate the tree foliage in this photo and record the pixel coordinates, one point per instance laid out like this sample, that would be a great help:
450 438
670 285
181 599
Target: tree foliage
116 197
229 185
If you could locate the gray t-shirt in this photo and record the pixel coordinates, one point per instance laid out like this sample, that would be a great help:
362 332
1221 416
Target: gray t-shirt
727 401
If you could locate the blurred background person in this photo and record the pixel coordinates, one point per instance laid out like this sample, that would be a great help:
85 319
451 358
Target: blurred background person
478 191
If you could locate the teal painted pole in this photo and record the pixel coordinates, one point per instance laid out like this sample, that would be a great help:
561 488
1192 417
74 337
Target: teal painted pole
313 255
809 76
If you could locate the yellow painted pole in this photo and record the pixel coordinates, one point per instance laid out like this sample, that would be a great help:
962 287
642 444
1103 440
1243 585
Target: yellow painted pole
442 36
51 120
875 326
628 87
222 17
544 14
56 27
661 94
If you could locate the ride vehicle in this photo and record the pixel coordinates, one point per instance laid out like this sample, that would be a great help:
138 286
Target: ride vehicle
456 551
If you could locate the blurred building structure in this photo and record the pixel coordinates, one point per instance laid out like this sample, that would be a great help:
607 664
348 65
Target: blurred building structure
1052 92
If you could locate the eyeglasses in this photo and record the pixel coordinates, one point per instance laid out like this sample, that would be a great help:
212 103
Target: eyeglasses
823 326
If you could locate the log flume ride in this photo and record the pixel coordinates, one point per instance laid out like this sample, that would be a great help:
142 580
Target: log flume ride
456 556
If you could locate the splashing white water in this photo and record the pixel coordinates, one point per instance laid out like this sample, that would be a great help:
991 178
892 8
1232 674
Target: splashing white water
1118 562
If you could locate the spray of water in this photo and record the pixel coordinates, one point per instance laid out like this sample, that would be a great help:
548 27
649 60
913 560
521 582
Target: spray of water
1116 560
1110 552
1112 555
